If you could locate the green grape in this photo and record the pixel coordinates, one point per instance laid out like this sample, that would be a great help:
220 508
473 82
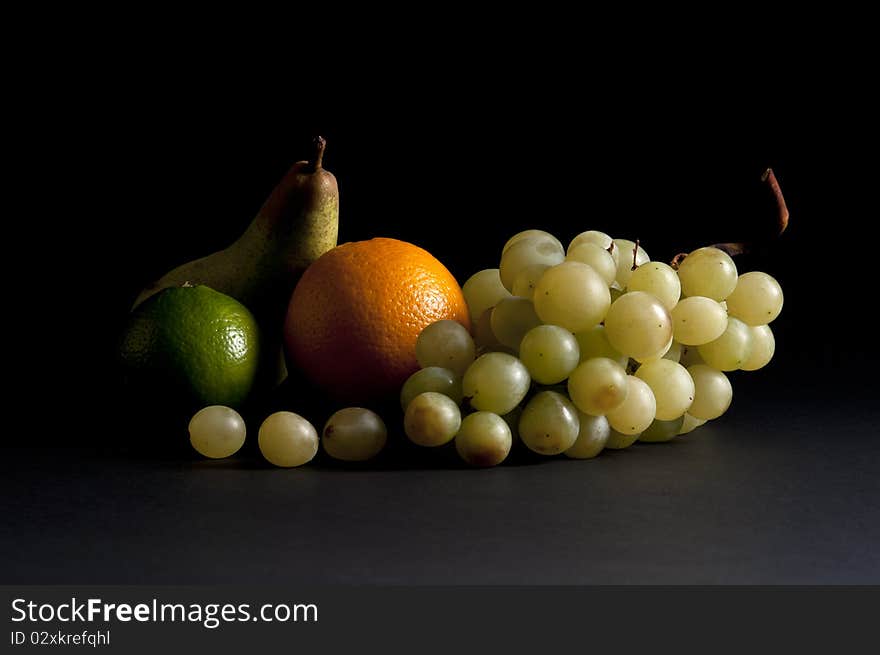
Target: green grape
708 272
690 423
619 441
431 419
432 378
484 339
690 355
658 279
511 319
354 434
731 350
637 410
529 252
572 295
638 325
496 382
592 437
512 420
593 342
528 234
763 348
446 344
697 320
592 236
597 257
598 386
756 300
660 431
660 354
483 290
550 353
483 439
287 439
674 352
549 423
624 248
217 431
526 279
712 392
672 386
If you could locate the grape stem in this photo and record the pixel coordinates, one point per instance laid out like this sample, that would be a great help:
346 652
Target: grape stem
635 254
738 247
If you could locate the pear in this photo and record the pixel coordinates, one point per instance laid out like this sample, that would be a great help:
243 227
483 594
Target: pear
297 223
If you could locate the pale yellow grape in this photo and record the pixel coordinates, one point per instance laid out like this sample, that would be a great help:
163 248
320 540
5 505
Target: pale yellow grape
712 392
496 382
658 279
597 257
619 441
483 439
483 290
529 252
354 434
591 236
431 419
708 272
511 319
549 423
572 295
598 386
484 339
756 300
672 386
512 420
637 411
217 431
638 325
674 352
431 378
526 279
690 423
763 347
447 344
625 260
697 320
690 355
661 354
660 431
528 234
592 437
731 350
550 353
287 439
593 342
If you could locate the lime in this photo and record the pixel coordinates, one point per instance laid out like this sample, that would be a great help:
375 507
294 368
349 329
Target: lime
192 345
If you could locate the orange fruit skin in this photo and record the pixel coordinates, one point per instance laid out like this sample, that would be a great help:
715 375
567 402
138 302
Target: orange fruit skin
355 315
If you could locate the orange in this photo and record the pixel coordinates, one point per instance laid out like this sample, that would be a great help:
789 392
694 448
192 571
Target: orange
357 311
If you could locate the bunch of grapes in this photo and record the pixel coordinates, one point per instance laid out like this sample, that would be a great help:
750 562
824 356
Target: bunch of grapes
591 347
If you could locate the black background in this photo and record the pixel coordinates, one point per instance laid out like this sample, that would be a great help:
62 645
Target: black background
133 168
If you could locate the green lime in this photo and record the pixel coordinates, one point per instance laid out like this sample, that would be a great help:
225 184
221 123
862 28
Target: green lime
192 345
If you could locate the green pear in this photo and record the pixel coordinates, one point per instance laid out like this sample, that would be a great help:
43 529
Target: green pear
297 223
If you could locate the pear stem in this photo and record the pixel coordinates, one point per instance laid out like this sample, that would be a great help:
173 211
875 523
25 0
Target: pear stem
320 143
